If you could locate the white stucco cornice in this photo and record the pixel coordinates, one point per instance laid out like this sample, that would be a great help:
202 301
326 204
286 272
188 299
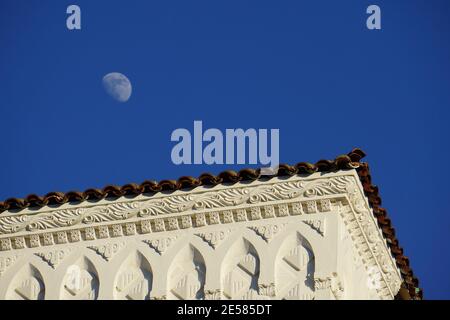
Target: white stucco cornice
268 210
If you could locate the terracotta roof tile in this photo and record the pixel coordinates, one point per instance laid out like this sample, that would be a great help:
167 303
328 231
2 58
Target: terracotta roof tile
410 286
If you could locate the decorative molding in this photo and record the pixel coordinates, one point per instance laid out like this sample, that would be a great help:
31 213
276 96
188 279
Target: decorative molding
54 257
322 283
133 281
30 289
164 297
161 245
81 283
336 287
157 225
312 199
332 283
177 204
19 243
369 242
267 232
317 225
5 244
267 290
109 250
215 294
214 238
6 262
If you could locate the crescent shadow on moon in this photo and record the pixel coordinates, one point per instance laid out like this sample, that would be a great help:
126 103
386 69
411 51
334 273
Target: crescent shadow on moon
117 86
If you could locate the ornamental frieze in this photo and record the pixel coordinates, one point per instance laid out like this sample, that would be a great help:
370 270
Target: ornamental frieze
176 204
170 223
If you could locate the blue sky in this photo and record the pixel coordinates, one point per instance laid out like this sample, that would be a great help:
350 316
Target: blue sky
310 68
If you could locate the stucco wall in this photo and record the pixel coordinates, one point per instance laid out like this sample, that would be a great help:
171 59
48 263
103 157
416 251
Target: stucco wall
298 238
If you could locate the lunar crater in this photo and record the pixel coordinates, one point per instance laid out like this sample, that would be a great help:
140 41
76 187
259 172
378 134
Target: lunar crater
117 86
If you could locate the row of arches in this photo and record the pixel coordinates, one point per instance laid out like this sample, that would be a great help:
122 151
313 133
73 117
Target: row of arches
186 275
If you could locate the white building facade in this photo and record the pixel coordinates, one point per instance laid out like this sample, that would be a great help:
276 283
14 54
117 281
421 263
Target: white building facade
300 237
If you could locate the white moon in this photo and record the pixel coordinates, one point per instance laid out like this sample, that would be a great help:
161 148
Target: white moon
117 86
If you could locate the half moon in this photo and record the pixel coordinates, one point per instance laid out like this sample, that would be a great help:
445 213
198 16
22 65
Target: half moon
117 86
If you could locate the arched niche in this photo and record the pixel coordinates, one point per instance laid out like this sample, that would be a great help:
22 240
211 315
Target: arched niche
186 276
240 271
27 284
80 281
294 269
134 278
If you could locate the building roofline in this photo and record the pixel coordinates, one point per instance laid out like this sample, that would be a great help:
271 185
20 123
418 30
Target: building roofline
410 286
